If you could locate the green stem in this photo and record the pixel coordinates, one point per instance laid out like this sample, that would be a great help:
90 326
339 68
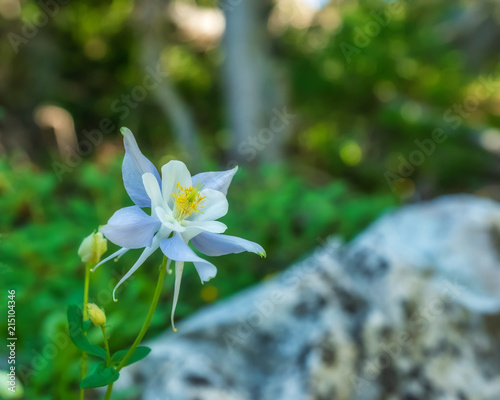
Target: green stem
84 360
152 309
108 392
86 292
85 318
145 325
106 344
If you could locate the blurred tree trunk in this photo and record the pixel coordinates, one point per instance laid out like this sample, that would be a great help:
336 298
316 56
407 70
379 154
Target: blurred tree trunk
253 90
149 25
475 29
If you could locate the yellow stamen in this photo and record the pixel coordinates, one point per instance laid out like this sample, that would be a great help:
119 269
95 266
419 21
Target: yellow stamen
187 201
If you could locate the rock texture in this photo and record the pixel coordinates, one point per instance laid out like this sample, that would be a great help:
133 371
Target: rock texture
408 310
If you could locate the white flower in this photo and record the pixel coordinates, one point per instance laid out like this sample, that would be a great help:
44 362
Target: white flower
183 209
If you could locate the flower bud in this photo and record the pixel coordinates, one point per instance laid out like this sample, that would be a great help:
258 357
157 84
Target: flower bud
92 248
96 315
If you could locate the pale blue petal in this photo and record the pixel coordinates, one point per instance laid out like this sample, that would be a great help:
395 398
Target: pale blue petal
215 180
214 244
205 270
135 164
131 228
176 249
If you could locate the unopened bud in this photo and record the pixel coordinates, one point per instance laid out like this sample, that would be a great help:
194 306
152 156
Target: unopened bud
92 248
96 315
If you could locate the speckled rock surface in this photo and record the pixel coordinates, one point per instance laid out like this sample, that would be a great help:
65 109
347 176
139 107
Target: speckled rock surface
408 310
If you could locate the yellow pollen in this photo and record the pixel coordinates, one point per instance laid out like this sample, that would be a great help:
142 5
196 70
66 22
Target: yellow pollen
187 201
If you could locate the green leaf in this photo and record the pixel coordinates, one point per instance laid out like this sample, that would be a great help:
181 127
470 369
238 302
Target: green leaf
139 353
86 325
76 332
102 376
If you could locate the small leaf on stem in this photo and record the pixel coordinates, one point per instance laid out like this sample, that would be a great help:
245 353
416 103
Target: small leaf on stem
76 332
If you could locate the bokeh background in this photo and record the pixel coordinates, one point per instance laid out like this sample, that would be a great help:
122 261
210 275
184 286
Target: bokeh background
335 111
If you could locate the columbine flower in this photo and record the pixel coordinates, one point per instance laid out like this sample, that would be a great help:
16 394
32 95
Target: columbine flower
183 209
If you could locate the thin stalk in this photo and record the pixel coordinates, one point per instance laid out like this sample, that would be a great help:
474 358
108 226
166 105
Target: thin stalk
152 308
106 344
145 325
86 292
108 392
85 318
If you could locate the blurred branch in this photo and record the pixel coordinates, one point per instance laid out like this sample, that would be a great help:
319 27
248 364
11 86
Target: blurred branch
148 25
251 80
475 29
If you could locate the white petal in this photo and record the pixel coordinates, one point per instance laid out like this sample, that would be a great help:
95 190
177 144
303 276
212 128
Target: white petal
179 267
172 173
168 220
194 228
219 180
153 190
213 207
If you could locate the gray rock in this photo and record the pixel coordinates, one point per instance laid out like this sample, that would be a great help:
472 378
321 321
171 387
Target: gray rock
407 310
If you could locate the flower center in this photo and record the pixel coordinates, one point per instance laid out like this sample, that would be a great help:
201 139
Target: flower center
187 201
